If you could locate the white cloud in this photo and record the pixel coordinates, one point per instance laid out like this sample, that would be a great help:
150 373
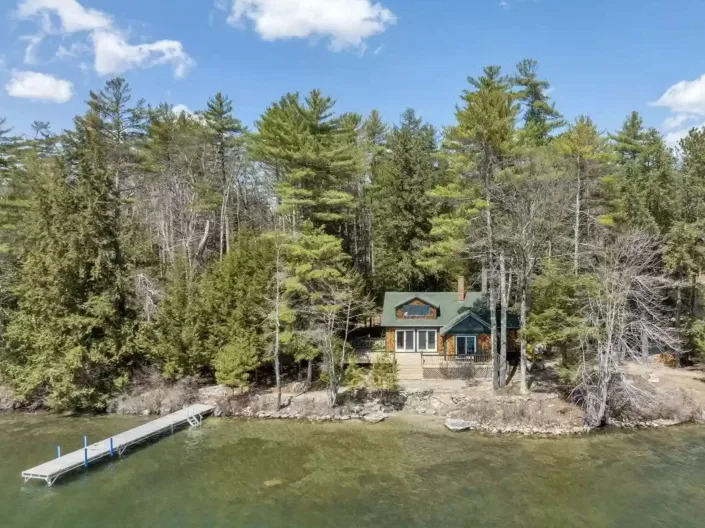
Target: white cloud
673 138
76 50
685 97
39 86
677 120
347 23
114 55
30 52
181 109
72 16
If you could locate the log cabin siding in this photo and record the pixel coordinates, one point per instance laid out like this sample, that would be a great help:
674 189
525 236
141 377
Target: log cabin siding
484 343
389 338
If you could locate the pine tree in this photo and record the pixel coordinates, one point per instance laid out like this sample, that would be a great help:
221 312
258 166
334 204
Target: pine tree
224 129
482 142
584 150
402 210
313 159
327 295
629 141
540 115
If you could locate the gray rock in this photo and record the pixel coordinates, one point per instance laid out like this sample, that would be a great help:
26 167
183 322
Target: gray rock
214 392
456 425
375 417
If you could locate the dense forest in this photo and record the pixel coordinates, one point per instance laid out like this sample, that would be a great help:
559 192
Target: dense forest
143 237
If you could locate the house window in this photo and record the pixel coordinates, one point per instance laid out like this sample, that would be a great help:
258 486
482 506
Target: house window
416 310
405 341
466 345
427 340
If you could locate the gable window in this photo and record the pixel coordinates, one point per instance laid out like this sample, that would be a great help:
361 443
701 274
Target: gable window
427 340
466 345
416 310
405 341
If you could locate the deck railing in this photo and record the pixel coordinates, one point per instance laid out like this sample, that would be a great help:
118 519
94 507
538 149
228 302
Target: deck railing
434 360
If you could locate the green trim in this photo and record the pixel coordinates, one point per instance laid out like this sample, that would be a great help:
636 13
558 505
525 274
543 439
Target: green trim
410 299
460 318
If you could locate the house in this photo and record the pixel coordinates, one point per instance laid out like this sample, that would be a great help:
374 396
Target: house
441 334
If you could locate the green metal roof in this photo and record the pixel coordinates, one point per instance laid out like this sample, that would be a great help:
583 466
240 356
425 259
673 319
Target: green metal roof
451 312
449 308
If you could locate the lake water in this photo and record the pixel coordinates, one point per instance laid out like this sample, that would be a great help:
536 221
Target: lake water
236 473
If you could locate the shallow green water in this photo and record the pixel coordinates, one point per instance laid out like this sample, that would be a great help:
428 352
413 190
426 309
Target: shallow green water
233 473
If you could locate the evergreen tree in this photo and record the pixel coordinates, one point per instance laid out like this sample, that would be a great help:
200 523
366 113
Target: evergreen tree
402 210
224 128
584 150
629 141
175 339
313 158
540 115
202 319
70 342
327 295
482 142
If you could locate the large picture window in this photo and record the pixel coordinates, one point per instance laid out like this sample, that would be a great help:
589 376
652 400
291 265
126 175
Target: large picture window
427 340
466 345
416 310
405 340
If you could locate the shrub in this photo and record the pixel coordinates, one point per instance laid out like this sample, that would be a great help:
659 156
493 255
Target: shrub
668 359
236 360
384 371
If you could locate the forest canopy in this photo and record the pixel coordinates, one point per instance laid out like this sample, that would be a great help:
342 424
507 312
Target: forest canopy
189 243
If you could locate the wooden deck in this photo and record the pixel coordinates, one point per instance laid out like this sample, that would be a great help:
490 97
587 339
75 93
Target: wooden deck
116 445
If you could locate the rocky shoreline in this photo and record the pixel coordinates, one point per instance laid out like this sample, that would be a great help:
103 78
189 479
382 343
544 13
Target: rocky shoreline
536 414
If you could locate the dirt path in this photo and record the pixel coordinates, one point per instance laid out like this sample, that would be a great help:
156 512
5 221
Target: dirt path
691 379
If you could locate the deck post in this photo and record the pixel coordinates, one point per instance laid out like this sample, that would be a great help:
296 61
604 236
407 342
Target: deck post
58 451
112 452
85 451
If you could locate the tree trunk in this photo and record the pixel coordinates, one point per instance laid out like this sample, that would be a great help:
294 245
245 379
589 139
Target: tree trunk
309 373
277 301
493 330
576 227
524 387
504 298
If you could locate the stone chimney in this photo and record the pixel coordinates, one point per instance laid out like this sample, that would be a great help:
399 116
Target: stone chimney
461 289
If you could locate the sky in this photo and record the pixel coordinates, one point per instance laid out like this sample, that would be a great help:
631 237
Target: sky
603 58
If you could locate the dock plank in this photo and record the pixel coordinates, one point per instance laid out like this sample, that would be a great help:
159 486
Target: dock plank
50 471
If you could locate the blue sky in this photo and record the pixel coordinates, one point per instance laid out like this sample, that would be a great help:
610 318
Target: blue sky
604 58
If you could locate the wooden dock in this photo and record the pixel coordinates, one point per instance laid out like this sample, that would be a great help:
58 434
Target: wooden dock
116 445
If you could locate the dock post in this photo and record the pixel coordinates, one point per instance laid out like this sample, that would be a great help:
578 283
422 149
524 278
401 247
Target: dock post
58 451
111 446
85 452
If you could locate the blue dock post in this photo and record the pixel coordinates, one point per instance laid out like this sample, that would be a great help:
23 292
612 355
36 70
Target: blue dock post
58 451
111 447
85 452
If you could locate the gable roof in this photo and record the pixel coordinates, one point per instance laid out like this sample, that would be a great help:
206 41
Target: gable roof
460 318
420 297
451 312
447 304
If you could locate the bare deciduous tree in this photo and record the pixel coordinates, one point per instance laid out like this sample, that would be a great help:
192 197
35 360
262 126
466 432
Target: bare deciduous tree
630 305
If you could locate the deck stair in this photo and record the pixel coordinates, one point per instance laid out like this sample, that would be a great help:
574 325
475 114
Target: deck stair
409 366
